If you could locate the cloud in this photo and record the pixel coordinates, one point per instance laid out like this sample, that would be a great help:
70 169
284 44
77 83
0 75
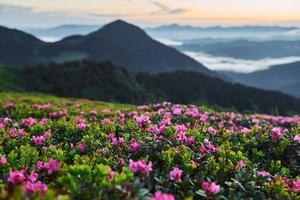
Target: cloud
164 9
238 65
107 15
14 8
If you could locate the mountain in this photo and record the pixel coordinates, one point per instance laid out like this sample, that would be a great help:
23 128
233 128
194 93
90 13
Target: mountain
17 47
182 32
284 78
245 49
59 32
122 43
105 81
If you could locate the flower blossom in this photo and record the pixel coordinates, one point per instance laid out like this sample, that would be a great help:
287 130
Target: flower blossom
134 146
38 186
175 174
211 188
50 166
142 120
276 133
297 139
162 196
16 176
140 166
263 173
38 140
3 160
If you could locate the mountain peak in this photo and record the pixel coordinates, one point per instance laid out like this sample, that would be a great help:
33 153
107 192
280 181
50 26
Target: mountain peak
123 29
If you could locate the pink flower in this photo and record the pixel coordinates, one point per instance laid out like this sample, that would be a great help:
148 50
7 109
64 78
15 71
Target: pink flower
81 147
30 187
140 166
209 146
2 126
50 166
212 188
297 139
134 146
241 164
38 140
245 130
176 110
296 185
43 121
3 160
17 176
29 122
9 105
17 133
175 174
263 173
111 175
142 120
276 133
212 131
32 177
162 196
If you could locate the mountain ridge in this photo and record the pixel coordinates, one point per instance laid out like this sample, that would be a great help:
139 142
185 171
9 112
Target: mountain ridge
122 43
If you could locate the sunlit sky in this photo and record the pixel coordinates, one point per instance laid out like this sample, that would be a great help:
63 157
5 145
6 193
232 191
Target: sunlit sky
45 13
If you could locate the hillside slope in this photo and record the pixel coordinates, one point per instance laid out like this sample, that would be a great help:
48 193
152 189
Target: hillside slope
284 78
104 81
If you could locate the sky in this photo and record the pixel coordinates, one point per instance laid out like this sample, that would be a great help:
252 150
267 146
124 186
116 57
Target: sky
47 13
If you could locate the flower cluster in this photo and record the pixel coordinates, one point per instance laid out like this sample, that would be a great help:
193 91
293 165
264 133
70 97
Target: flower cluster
78 149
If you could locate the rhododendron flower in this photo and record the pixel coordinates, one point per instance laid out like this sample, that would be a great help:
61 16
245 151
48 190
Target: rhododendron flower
30 187
296 185
43 121
140 166
209 146
134 146
50 166
297 139
81 147
203 118
276 133
211 188
245 130
153 129
9 105
3 160
142 120
17 133
175 174
176 111
38 140
111 175
16 176
162 196
263 173
32 177
239 165
2 126
29 122
212 131
106 111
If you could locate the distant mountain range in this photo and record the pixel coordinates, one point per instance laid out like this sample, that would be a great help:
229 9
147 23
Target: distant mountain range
284 78
245 49
180 32
59 32
124 44
104 81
